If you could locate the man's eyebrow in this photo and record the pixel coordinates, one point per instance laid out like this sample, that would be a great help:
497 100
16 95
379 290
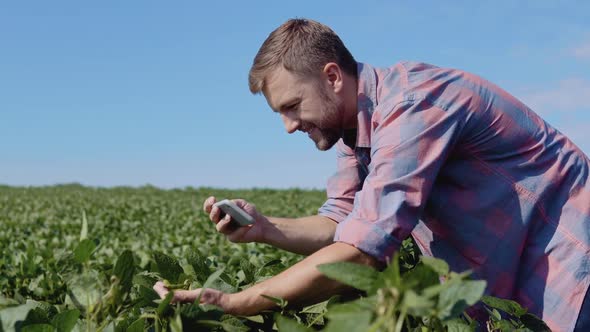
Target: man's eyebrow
289 102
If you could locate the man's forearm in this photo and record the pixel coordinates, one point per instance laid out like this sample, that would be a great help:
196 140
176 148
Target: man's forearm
300 284
302 235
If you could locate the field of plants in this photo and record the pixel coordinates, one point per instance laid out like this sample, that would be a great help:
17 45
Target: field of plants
76 258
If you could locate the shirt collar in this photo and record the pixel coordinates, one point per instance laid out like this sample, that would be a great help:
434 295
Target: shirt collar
366 102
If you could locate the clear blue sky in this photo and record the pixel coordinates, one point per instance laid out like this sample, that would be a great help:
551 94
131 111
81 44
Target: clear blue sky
133 92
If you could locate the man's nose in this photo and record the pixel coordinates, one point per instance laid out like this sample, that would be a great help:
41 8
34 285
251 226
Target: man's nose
291 124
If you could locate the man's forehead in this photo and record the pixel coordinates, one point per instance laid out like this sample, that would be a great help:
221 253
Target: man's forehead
280 87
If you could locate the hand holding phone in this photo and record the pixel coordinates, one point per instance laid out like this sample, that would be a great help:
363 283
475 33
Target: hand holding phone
237 214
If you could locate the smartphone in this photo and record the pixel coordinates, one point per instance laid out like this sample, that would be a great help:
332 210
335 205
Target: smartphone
237 214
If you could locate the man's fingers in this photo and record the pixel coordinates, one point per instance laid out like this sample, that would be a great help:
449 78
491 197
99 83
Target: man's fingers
161 289
180 295
208 204
214 215
225 226
186 295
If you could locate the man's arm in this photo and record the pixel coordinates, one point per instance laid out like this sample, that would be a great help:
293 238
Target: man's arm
301 284
301 235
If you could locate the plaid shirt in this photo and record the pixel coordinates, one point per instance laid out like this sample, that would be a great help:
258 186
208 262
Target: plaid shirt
475 176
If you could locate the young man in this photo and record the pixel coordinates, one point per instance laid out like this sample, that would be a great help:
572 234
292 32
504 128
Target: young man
471 173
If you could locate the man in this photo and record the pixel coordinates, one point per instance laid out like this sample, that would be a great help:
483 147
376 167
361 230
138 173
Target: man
471 173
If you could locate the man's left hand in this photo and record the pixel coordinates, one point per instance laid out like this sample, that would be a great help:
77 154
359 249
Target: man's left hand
208 296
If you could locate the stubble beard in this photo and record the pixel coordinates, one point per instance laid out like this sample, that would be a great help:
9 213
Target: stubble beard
326 135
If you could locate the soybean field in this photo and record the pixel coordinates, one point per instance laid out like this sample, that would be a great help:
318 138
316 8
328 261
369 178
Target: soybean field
78 258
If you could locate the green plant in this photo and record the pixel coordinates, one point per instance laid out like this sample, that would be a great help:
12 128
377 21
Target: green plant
85 259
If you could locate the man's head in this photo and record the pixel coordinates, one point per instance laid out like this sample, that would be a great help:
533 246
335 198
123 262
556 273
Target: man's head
309 77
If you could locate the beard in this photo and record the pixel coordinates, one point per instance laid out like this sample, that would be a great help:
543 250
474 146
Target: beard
327 133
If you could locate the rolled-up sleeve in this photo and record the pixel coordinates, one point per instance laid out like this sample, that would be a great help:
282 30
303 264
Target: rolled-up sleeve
409 144
343 185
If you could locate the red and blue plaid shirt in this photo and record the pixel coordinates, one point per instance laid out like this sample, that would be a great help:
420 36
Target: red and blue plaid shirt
476 177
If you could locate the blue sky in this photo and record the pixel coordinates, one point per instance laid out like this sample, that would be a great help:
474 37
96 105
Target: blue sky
109 93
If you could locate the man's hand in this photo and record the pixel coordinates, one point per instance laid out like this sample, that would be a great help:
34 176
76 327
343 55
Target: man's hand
234 232
209 296
301 284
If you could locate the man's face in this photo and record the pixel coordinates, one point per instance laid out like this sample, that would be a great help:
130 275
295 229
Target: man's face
306 105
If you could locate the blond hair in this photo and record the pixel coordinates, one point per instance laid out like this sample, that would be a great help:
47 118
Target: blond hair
301 46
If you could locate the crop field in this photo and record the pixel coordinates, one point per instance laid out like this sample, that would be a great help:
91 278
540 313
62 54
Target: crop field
76 258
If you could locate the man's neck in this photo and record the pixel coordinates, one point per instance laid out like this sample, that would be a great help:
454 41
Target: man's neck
349 137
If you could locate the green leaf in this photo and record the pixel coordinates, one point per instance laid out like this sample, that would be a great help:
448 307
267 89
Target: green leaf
164 306
147 296
199 264
6 302
84 291
167 266
249 271
124 270
534 323
65 321
38 328
391 276
280 302
420 277
458 325
417 305
350 317
145 280
458 296
84 230
285 324
317 308
212 278
84 250
358 276
36 316
226 325
10 316
270 263
137 326
508 306
233 324
438 265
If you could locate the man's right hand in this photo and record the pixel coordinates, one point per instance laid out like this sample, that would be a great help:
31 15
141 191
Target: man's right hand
234 232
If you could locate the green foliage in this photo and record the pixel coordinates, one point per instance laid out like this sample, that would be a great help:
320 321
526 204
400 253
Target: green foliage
358 276
86 259
509 315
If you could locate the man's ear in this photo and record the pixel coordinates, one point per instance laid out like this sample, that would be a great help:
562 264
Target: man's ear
333 76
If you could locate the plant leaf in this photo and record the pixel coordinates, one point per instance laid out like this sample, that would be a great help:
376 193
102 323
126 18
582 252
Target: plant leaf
458 296
137 326
124 270
417 305
164 306
458 325
285 324
534 323
84 250
508 306
38 328
358 276
66 321
167 266
438 265
84 230
350 317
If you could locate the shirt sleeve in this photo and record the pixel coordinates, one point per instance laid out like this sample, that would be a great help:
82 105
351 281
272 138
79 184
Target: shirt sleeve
409 144
343 185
